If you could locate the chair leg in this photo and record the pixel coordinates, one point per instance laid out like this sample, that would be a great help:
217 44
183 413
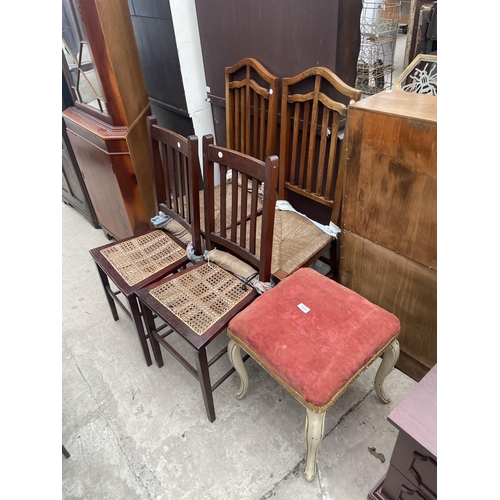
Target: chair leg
315 427
389 359
335 258
105 285
136 317
150 324
206 386
65 452
234 354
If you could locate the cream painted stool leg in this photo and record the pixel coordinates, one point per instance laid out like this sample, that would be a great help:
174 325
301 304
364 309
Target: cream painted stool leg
234 353
315 426
389 359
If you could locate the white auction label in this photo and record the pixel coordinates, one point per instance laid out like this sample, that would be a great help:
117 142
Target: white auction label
303 308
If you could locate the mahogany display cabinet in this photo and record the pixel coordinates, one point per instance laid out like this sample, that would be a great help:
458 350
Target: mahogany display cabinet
107 124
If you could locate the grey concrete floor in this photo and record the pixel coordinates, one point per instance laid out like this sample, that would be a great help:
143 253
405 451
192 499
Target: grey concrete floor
137 432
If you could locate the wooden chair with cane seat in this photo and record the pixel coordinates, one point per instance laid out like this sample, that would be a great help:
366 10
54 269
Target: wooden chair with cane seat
135 262
199 301
311 168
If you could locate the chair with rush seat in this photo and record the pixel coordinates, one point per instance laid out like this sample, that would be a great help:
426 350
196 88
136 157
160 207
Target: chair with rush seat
135 262
251 118
314 337
311 169
199 302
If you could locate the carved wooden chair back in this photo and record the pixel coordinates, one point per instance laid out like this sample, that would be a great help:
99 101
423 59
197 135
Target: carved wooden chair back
251 109
310 163
261 179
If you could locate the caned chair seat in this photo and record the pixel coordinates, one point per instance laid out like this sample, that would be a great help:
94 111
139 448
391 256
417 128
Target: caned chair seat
314 336
196 299
138 259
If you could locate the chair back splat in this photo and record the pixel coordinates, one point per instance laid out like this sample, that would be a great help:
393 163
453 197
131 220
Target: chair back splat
176 172
251 109
241 239
310 163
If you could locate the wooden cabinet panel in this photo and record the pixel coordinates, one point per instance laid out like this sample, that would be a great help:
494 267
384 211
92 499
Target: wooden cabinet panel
398 487
416 464
399 285
102 184
389 238
74 191
391 179
112 174
71 189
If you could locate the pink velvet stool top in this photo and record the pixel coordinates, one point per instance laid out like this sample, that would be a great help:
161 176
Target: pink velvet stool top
314 335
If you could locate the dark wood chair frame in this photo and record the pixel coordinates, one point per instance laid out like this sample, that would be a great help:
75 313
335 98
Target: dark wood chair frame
310 163
237 242
176 174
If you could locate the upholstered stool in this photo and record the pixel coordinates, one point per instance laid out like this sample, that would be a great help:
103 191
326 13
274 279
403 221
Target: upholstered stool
314 337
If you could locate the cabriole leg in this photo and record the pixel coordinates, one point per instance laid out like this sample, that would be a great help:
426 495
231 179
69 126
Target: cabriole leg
315 426
234 353
389 359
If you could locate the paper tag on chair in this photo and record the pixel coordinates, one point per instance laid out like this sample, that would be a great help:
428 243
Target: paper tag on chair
303 308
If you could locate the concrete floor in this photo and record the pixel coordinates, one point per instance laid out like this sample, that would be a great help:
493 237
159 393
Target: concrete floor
137 432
